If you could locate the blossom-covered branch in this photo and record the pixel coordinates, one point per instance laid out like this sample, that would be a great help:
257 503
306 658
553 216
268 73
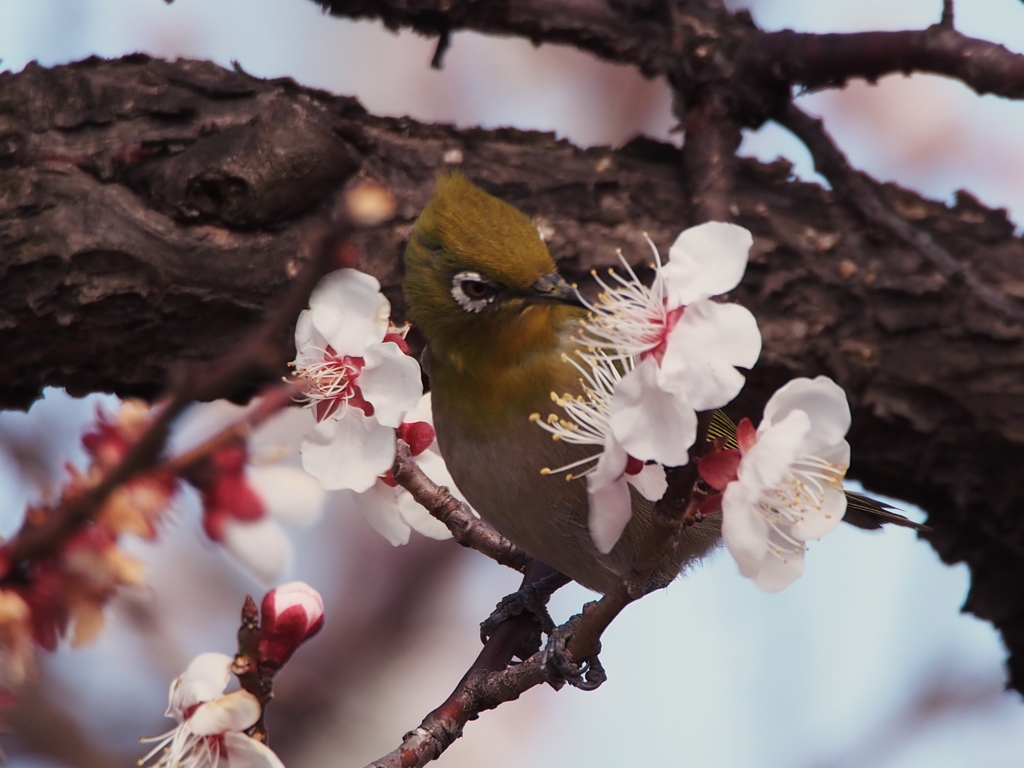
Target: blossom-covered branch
212 725
61 568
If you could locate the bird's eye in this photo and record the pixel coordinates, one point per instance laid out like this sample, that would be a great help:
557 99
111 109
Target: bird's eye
472 291
475 289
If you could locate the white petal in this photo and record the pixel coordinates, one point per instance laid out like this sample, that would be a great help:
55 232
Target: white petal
262 547
817 522
611 464
348 452
348 308
205 679
705 347
837 455
706 260
288 494
246 752
285 596
379 506
744 531
423 411
780 570
650 423
650 481
310 344
419 519
823 401
391 381
771 458
610 511
235 711
433 466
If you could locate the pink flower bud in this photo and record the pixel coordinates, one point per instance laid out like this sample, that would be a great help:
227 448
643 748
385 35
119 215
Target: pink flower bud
290 615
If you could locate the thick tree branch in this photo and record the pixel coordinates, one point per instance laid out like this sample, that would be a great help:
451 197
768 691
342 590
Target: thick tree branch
139 189
861 191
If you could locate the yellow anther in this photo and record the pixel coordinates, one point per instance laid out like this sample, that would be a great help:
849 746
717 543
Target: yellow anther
534 418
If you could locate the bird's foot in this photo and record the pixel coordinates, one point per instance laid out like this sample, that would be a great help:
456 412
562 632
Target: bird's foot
560 667
531 599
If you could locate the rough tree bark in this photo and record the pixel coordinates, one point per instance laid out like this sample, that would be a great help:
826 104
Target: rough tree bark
149 211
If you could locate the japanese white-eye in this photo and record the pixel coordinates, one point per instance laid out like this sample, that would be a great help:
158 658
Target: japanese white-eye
498 320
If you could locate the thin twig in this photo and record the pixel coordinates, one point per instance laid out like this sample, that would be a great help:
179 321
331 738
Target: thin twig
675 512
826 61
272 401
491 680
467 529
861 192
947 14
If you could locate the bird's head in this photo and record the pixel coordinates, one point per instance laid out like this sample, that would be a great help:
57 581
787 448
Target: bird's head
479 281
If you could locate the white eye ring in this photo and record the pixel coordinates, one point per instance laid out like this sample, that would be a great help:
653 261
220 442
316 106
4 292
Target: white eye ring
473 280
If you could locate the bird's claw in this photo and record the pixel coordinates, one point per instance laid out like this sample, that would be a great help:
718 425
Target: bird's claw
560 667
531 599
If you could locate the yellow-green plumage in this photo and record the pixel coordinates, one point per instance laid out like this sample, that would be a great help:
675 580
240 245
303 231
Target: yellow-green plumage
491 368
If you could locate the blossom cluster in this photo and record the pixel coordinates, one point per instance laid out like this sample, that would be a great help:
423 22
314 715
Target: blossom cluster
63 589
213 727
364 391
651 358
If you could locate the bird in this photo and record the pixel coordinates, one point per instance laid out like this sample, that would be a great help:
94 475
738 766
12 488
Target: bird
499 321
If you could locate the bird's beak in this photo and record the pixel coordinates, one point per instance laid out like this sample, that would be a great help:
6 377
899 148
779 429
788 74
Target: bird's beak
552 289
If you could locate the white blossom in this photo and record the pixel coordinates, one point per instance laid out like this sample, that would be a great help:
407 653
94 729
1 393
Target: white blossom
788 487
389 508
684 346
358 381
609 471
210 723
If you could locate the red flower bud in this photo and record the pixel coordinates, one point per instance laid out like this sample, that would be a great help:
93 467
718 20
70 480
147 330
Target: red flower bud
290 615
419 435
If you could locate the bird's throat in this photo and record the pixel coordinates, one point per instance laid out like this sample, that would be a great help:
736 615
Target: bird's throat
490 384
